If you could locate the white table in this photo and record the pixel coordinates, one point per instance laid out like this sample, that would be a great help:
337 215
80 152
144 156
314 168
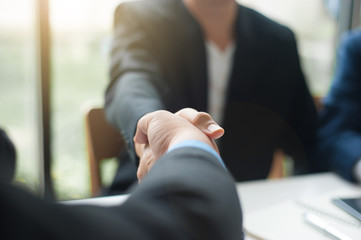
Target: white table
271 207
259 197
264 193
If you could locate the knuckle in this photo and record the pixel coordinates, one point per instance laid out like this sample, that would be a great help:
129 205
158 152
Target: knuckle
201 117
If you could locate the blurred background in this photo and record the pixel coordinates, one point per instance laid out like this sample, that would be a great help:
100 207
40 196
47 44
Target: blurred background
54 57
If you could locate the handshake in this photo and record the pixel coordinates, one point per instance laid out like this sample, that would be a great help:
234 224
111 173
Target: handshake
160 130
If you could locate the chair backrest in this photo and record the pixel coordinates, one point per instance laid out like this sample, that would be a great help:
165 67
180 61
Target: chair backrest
103 141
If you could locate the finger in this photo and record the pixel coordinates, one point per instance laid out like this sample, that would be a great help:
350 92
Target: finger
142 129
151 159
146 162
140 172
139 148
142 167
203 121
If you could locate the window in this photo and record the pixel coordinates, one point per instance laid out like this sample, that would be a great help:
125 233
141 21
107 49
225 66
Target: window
18 99
81 35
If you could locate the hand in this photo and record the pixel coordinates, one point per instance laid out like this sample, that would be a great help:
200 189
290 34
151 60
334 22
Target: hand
159 130
204 122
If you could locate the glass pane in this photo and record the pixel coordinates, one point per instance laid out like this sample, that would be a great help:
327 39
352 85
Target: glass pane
315 29
18 86
81 34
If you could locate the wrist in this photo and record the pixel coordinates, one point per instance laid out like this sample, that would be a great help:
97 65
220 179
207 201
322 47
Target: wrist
198 144
193 134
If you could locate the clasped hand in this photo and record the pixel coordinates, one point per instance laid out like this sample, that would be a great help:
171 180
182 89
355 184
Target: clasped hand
160 130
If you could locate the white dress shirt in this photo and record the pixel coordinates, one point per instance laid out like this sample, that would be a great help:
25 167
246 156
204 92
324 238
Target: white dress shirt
219 68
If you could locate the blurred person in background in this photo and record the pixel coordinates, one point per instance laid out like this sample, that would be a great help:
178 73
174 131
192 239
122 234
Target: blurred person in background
7 157
218 57
339 132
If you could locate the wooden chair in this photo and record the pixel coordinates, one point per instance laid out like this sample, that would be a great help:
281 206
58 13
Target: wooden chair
102 141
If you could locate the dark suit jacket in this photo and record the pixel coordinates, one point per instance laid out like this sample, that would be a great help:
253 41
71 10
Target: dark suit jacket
7 157
174 201
339 133
159 62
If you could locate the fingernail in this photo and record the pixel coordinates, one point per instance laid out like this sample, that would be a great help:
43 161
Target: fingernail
213 127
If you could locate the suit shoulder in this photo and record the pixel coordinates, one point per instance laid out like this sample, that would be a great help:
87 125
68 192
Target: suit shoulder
266 28
352 40
145 9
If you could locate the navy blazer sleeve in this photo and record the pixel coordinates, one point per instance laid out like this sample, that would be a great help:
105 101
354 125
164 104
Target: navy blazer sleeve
339 134
186 195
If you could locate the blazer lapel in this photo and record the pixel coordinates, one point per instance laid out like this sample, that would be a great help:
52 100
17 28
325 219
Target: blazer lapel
240 83
195 59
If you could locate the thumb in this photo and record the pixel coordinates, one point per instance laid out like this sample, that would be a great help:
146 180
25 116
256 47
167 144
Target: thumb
203 121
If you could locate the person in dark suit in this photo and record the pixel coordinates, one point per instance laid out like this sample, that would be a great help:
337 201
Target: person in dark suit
174 201
7 157
339 132
218 57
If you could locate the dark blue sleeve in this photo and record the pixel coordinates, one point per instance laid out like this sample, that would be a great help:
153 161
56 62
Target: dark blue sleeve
338 146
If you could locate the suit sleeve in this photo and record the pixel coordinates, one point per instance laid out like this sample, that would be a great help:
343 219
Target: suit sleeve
135 76
339 134
186 195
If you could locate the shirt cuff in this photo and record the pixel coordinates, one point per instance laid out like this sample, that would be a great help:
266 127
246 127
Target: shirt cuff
357 171
200 145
